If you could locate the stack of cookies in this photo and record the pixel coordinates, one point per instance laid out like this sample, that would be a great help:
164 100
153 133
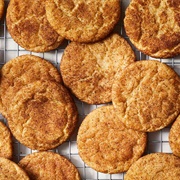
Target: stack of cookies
146 98
27 24
97 67
40 111
40 165
42 25
41 115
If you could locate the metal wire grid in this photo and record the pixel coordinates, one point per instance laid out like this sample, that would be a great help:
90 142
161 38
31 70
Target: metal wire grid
157 141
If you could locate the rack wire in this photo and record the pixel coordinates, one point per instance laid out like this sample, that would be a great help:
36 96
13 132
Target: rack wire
157 141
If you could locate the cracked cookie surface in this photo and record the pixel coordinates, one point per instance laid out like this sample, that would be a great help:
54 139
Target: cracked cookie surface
174 137
20 71
88 70
153 26
29 27
42 115
106 145
49 165
83 20
6 149
155 166
146 95
11 171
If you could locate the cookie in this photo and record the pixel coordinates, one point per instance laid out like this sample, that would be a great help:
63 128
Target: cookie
27 24
88 70
106 145
42 115
11 171
154 27
1 8
146 95
83 20
6 149
49 165
155 166
23 70
174 137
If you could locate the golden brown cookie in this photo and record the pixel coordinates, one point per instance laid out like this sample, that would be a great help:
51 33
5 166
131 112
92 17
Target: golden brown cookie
6 149
42 115
83 20
28 26
88 70
49 165
174 137
11 171
153 26
23 70
155 166
1 8
106 145
146 95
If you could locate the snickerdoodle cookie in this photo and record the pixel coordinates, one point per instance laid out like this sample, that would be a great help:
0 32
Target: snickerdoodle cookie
174 137
19 72
1 8
29 27
88 70
146 95
106 145
49 165
83 20
153 26
42 115
155 166
11 171
6 149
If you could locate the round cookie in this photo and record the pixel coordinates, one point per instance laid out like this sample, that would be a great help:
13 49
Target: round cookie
42 115
49 165
88 70
155 166
174 137
146 95
106 145
154 27
23 70
29 27
1 8
11 171
83 20
6 149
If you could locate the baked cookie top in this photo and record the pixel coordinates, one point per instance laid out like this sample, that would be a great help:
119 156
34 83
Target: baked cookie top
6 150
88 70
1 8
174 137
83 20
42 115
155 166
49 165
106 145
28 26
23 70
153 26
146 95
11 171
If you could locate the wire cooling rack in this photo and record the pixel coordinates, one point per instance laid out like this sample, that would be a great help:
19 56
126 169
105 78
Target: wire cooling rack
157 141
